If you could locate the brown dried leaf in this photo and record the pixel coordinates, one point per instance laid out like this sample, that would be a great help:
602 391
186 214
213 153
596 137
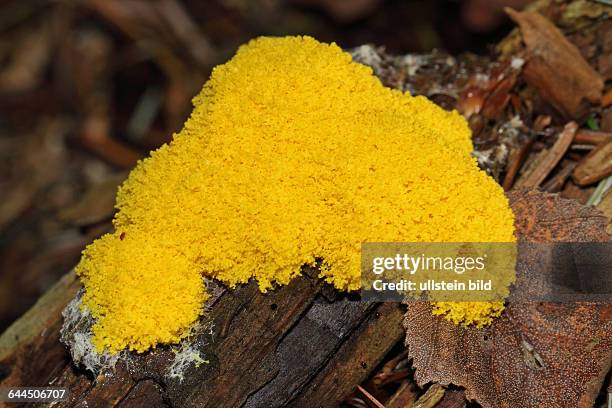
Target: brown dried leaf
480 87
535 354
498 99
471 100
555 66
452 399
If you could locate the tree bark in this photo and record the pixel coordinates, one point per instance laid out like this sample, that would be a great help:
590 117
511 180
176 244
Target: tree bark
300 345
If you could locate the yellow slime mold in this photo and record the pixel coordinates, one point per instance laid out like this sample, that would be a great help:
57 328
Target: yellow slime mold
293 153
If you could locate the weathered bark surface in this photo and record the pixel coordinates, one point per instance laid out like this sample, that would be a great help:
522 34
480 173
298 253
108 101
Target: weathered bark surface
300 345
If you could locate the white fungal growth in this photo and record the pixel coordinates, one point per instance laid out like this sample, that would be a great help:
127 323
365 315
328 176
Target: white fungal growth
76 334
517 63
368 55
188 353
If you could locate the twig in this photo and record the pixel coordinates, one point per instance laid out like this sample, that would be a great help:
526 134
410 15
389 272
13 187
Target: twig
515 165
591 137
556 183
391 364
393 376
370 397
606 99
96 138
540 173
595 166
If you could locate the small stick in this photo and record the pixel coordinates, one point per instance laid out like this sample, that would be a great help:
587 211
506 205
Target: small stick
515 165
390 365
576 146
538 175
386 378
591 137
96 138
556 183
606 100
370 397
595 166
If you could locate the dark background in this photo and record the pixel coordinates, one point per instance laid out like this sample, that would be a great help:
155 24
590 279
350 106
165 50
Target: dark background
89 87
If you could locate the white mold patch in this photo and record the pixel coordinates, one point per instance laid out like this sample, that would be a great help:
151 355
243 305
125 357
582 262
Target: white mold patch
189 353
76 335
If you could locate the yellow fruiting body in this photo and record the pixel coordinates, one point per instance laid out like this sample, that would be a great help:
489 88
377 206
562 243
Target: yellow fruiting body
293 153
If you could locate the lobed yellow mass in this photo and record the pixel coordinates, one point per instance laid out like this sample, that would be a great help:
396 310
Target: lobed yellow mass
293 153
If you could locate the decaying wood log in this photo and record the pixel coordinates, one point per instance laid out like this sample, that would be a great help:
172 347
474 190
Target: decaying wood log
302 345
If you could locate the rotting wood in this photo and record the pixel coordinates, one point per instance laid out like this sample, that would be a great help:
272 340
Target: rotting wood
293 346
300 345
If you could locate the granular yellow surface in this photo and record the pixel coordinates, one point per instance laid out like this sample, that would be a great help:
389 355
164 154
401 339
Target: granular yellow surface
293 153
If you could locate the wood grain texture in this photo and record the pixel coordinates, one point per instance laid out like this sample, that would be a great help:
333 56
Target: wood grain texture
555 66
301 345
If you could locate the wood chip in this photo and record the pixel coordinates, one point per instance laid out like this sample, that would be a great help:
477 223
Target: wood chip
405 396
555 184
515 163
595 166
555 67
543 169
592 137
